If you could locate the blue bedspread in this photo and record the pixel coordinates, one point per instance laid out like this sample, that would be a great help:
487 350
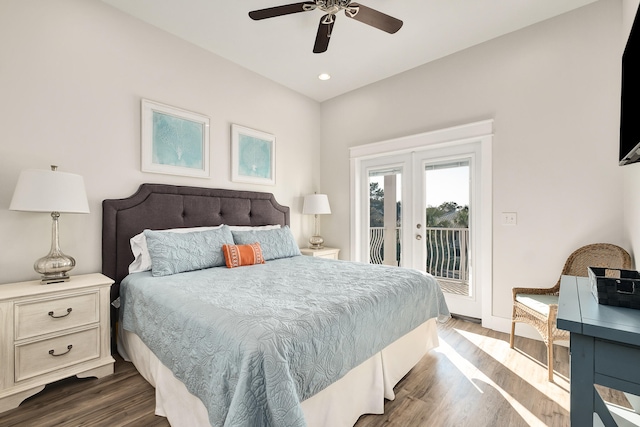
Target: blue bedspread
253 342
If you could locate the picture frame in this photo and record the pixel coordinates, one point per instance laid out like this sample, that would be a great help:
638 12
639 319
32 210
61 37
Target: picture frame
253 156
174 141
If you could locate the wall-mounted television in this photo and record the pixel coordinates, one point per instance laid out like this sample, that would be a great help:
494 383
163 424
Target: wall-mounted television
630 98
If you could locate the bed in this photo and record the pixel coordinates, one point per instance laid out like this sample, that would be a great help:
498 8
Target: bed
291 340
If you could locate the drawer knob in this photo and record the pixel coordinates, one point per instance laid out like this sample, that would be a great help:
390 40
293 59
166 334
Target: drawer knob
64 315
52 352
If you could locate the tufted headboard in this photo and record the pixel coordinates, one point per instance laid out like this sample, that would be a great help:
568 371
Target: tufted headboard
159 206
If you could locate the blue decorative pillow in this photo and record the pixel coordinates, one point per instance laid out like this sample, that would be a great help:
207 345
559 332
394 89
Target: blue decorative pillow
276 243
173 253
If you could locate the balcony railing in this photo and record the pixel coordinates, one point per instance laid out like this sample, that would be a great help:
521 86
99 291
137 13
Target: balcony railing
376 245
447 251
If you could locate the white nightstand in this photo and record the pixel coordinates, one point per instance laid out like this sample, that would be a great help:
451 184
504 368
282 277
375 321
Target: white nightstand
50 332
331 253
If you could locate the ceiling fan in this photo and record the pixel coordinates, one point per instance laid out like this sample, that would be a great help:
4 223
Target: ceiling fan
355 11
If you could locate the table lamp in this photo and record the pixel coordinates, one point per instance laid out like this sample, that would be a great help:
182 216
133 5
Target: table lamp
316 204
54 192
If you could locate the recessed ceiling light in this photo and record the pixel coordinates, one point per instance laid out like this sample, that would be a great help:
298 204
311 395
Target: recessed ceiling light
324 76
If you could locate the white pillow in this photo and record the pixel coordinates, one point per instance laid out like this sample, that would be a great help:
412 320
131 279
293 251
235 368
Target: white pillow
141 258
251 227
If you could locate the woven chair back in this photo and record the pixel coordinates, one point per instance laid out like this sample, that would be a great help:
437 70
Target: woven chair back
596 255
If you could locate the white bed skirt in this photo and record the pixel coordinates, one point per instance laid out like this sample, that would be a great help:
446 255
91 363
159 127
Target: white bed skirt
361 391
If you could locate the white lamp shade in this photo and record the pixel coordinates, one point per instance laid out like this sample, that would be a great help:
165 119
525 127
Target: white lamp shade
49 191
316 204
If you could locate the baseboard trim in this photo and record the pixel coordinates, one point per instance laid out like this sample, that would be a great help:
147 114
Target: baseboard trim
467 318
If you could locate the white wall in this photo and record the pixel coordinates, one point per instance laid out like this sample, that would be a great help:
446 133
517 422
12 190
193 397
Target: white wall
553 90
72 73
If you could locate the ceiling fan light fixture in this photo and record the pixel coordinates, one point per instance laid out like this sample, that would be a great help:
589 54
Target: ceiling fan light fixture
324 76
354 11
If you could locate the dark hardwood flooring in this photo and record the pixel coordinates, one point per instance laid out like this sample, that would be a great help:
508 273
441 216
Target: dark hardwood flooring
472 379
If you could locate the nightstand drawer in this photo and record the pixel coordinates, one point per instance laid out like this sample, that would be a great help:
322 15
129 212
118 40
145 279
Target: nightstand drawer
48 355
40 317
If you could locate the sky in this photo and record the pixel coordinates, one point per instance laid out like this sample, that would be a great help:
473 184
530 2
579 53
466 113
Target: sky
448 185
443 185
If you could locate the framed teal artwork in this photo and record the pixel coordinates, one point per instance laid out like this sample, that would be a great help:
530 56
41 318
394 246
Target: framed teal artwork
174 141
253 156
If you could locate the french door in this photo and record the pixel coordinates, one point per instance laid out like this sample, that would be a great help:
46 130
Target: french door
418 210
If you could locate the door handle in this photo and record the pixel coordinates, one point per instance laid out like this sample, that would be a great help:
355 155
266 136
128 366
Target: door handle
418 236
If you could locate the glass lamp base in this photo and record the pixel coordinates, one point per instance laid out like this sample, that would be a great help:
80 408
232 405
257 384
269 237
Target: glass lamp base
316 242
55 265
54 268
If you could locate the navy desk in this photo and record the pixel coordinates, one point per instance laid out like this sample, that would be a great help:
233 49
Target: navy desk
604 348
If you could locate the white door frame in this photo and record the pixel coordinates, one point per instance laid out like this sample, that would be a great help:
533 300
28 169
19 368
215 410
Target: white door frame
480 132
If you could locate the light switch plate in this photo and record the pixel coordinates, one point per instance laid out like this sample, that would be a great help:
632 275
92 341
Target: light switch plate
509 218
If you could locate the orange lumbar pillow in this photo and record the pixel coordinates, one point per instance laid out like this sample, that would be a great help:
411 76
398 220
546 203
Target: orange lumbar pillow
239 255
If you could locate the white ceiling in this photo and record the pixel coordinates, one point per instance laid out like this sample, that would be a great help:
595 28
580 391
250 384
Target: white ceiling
281 48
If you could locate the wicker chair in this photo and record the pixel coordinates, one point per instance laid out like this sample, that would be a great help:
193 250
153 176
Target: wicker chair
539 307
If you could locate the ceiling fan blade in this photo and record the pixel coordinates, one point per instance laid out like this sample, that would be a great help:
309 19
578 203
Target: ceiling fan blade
286 9
324 33
373 17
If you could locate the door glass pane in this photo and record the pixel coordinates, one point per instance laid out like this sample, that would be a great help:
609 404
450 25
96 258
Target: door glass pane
447 189
385 216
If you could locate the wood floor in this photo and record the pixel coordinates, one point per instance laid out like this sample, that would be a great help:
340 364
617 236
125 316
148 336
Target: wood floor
471 379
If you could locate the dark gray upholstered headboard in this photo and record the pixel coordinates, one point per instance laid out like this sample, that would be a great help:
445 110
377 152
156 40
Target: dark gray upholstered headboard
159 206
